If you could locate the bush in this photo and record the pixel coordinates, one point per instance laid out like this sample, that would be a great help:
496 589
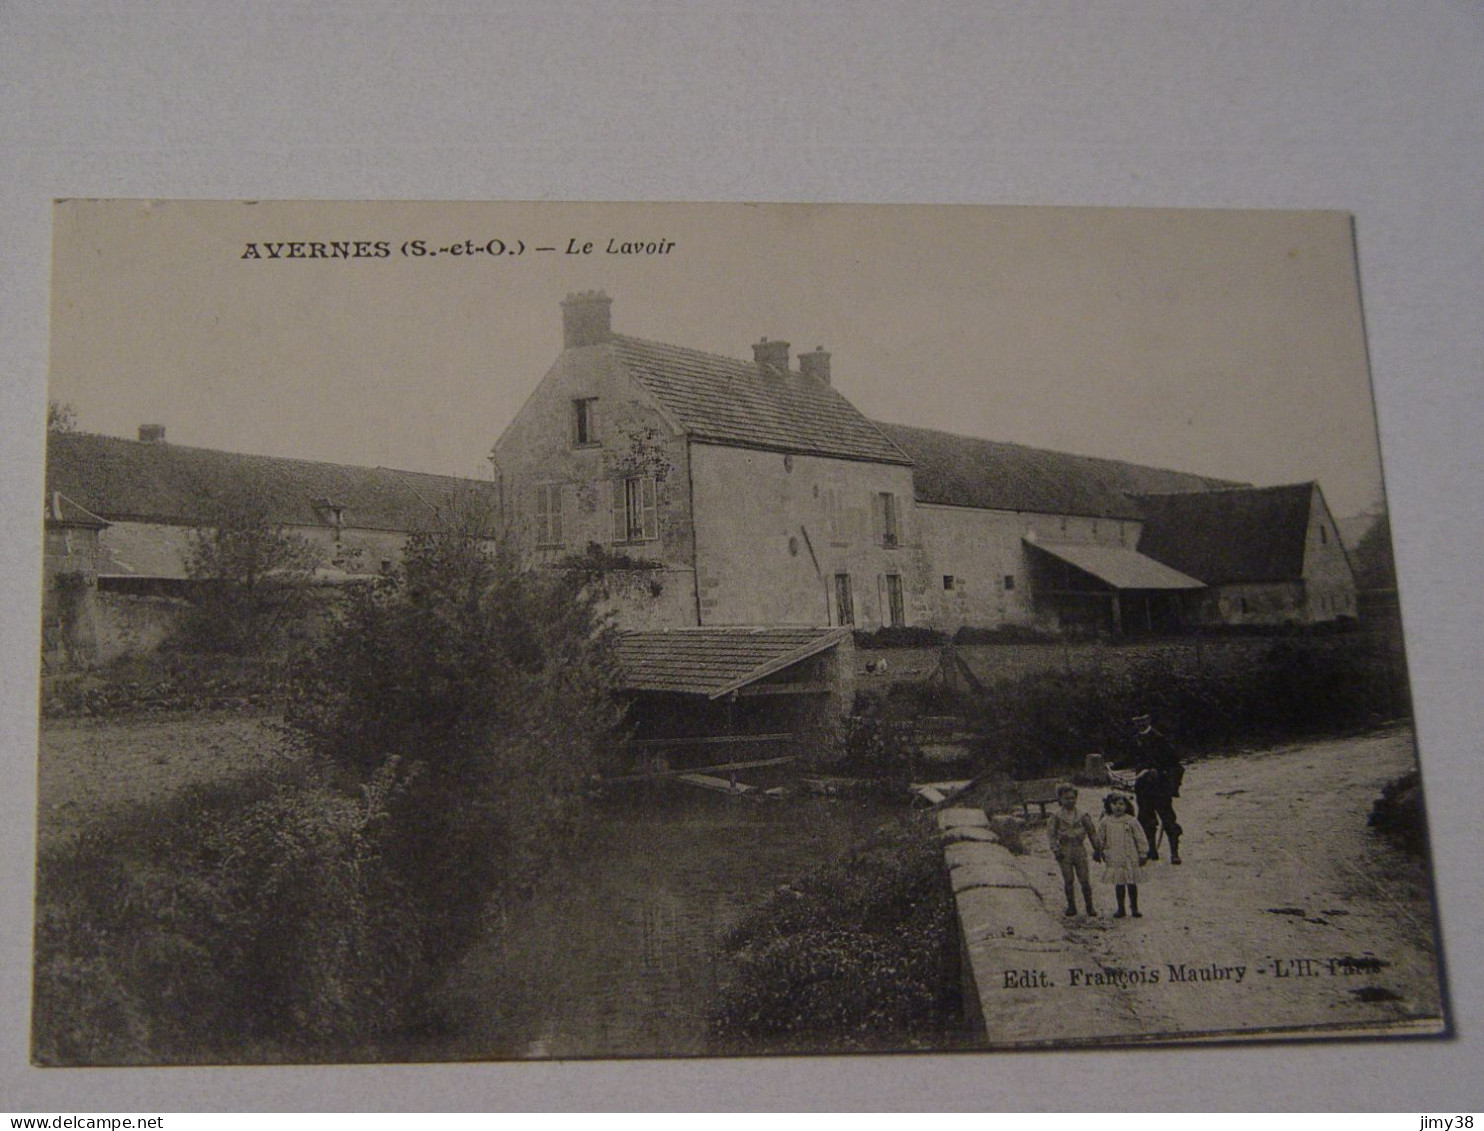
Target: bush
250 579
1399 814
162 681
496 684
858 955
235 923
899 636
453 715
1003 634
1044 723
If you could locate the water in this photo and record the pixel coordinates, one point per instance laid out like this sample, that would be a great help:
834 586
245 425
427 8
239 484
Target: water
620 957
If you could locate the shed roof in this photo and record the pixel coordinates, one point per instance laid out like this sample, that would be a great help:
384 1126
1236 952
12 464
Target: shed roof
963 471
132 480
715 661
748 405
62 511
1247 534
1119 566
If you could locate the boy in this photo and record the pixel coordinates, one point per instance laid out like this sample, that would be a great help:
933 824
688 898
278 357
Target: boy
1069 832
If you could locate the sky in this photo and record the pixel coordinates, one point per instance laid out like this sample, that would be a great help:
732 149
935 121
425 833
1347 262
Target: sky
1225 343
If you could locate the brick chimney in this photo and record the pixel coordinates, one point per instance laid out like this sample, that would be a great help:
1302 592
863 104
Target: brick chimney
816 364
152 433
587 319
771 355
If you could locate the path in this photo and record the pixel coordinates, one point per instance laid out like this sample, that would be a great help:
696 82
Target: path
1287 913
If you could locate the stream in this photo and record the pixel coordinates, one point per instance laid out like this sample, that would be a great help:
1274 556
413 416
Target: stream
620 955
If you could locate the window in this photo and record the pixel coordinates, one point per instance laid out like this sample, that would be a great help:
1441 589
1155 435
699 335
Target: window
844 605
549 514
947 581
886 518
835 524
635 514
1009 581
1323 535
584 422
894 600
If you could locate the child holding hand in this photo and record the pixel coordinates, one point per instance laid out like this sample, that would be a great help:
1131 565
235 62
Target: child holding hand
1069 831
1125 850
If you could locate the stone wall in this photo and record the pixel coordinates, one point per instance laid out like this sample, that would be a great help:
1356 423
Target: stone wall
1017 950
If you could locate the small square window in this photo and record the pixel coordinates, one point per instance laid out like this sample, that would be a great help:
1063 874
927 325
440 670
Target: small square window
948 581
1009 581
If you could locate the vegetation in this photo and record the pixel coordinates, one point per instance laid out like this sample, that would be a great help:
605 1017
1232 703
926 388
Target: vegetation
449 720
1044 722
899 636
1373 560
252 580
858 955
1399 815
493 688
251 921
166 680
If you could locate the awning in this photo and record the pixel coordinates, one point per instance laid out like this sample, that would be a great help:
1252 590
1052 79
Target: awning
1119 566
715 661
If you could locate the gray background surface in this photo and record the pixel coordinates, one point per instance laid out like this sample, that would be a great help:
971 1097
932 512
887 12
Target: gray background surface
1374 109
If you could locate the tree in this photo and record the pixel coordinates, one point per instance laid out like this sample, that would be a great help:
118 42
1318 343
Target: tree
1374 566
493 688
251 578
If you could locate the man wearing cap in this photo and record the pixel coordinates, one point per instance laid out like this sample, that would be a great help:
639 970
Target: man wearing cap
1157 786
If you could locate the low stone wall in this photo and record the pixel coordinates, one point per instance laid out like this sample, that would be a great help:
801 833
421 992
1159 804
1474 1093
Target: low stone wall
1017 951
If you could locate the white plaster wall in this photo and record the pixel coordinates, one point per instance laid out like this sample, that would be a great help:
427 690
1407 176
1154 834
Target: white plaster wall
980 549
1329 583
772 531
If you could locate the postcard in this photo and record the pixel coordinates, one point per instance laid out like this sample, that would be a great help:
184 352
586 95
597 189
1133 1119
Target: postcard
519 631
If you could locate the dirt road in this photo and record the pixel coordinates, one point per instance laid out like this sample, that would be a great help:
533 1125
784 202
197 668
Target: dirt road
1287 911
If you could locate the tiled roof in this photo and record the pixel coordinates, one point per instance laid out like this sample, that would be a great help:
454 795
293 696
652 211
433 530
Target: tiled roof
744 404
1119 566
962 471
1223 537
130 480
714 661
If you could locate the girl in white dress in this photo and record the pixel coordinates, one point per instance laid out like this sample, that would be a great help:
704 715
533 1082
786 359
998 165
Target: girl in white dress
1124 849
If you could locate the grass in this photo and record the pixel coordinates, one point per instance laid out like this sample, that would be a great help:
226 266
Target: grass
856 956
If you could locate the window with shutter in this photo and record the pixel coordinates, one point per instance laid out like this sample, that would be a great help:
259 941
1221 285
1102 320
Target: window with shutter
549 514
584 422
635 510
844 605
886 518
894 600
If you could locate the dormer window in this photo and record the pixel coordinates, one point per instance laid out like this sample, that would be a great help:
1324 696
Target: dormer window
331 514
584 422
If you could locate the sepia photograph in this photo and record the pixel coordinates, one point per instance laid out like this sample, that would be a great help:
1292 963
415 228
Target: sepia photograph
498 632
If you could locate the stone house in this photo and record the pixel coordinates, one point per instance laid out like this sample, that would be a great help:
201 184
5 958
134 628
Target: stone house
746 493
1267 555
752 493
136 504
